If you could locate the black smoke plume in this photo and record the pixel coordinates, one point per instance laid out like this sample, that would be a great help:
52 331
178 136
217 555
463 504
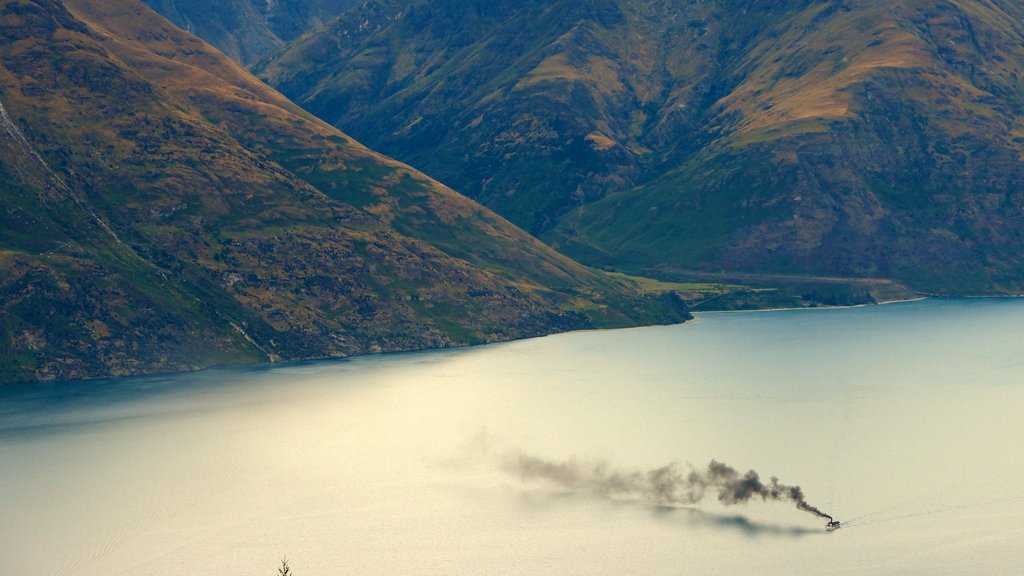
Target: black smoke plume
668 485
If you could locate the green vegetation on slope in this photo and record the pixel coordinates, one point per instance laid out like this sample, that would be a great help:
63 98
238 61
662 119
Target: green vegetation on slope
851 138
164 210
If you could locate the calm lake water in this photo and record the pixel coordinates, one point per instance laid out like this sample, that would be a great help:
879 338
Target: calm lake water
905 420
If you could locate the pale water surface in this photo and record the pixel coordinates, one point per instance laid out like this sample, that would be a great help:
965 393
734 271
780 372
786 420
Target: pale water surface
905 420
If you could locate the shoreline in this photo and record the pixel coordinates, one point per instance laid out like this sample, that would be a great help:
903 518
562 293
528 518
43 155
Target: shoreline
836 307
284 363
696 317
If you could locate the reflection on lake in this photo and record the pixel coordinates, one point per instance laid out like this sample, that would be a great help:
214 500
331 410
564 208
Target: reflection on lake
904 420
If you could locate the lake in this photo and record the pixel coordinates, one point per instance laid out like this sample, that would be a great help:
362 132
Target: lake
906 421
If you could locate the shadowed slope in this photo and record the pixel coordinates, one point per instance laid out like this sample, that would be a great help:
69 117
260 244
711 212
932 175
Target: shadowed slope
848 138
248 30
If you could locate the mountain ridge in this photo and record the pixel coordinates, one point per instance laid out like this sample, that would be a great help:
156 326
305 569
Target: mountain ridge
165 211
825 138
248 30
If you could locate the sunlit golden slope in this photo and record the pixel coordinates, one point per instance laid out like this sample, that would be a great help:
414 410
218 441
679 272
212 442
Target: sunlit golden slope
164 210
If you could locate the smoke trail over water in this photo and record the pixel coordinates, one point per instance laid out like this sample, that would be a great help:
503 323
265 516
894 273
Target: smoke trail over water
668 485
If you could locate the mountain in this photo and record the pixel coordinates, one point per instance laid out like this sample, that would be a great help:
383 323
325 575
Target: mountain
829 138
248 30
479 95
163 210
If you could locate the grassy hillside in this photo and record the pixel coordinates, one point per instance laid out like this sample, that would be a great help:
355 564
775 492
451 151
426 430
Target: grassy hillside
853 138
495 99
871 141
164 210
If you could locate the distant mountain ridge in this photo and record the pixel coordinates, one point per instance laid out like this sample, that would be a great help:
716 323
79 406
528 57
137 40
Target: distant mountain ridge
163 210
248 30
838 138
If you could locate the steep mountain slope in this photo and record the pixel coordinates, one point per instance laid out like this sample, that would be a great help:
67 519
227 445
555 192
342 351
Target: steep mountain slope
839 138
248 30
164 210
510 102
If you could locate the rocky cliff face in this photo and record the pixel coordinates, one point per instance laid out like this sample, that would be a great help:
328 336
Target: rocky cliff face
164 210
849 138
